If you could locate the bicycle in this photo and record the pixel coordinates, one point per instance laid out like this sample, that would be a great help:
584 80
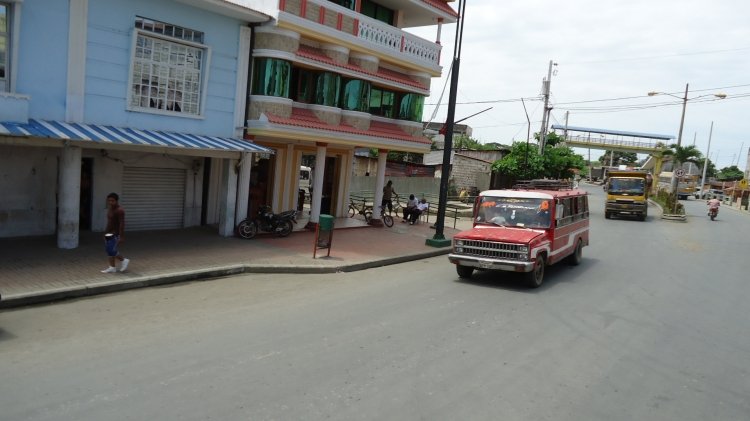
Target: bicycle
387 218
363 210
396 205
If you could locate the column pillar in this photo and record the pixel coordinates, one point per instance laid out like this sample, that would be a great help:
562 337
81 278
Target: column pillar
379 184
243 187
227 197
317 193
69 199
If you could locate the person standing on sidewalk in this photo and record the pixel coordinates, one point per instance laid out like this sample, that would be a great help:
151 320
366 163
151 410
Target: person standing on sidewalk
388 193
114 234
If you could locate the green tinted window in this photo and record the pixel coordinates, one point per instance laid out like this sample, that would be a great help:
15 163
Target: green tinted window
376 11
381 102
327 89
411 107
271 77
304 81
355 95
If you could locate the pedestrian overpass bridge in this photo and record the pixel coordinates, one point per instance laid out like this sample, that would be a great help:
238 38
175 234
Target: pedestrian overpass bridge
621 141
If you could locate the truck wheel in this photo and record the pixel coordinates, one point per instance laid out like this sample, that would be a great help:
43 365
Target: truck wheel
535 278
577 256
464 272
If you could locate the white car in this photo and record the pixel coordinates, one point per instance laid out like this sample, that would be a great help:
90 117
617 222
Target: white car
711 194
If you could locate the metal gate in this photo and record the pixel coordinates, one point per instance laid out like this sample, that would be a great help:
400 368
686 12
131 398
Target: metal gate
153 198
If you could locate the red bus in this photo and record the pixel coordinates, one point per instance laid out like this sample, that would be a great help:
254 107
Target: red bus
524 229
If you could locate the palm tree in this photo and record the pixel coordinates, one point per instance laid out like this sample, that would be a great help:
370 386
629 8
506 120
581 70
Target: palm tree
681 155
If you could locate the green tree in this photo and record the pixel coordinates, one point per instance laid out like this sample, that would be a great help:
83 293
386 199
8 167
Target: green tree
619 158
553 139
560 161
731 174
397 156
683 154
711 170
463 142
524 162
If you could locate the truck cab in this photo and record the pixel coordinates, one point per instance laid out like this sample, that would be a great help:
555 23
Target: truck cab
523 230
627 194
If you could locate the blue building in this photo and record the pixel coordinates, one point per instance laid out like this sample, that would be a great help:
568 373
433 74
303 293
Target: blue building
146 98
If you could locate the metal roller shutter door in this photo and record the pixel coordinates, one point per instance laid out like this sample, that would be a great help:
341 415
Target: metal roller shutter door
153 198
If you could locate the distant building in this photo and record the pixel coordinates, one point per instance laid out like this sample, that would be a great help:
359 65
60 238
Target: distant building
434 131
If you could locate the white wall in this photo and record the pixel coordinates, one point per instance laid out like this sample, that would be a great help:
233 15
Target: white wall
28 186
29 177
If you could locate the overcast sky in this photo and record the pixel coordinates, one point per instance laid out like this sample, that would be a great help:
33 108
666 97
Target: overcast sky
605 51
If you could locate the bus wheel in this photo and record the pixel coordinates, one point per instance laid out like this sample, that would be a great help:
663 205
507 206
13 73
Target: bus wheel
464 272
575 258
535 278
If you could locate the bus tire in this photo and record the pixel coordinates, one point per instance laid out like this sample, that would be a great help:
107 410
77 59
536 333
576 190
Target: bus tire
535 278
464 272
575 258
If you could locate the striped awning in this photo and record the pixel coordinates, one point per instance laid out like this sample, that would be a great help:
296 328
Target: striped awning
127 136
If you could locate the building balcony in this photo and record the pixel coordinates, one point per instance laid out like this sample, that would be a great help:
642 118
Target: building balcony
335 24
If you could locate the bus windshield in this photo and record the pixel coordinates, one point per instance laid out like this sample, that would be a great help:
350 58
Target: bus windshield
514 212
626 186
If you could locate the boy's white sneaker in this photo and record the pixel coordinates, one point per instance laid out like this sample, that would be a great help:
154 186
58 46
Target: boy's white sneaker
110 269
125 264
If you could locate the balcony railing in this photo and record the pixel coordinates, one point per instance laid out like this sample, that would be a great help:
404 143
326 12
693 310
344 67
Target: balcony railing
378 34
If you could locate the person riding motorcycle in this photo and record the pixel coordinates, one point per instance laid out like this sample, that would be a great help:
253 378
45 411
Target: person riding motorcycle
713 206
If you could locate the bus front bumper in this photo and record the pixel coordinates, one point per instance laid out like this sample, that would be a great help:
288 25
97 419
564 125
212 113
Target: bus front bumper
491 264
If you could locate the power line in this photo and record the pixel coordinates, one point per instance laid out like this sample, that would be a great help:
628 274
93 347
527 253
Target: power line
493 101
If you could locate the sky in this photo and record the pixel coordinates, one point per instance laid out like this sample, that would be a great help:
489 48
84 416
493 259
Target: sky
608 55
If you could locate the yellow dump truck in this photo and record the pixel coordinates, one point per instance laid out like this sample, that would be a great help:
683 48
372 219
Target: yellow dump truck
627 193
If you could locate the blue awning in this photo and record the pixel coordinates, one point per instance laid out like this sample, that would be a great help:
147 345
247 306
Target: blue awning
127 136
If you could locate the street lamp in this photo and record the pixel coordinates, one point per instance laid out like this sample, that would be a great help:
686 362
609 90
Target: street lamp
682 125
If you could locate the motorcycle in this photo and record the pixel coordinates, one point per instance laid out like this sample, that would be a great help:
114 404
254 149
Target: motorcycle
713 211
280 223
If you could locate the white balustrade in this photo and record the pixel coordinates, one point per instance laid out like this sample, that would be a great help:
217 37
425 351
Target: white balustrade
384 36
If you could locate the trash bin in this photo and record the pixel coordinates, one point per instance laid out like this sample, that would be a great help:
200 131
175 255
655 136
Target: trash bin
326 222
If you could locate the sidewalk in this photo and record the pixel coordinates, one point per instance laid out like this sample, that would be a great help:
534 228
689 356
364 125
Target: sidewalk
34 270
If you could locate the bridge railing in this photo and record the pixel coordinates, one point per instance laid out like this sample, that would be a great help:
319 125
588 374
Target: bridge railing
599 142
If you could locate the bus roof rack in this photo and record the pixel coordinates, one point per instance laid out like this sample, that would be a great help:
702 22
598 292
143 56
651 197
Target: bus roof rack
543 185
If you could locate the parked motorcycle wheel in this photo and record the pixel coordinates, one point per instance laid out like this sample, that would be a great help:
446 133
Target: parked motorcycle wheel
247 229
284 228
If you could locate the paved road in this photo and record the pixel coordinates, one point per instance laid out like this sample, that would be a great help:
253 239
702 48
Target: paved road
652 325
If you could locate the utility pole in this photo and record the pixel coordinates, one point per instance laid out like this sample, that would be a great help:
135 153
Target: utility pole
528 136
545 112
439 240
705 163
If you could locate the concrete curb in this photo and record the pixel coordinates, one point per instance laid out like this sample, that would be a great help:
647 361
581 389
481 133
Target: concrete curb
59 294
